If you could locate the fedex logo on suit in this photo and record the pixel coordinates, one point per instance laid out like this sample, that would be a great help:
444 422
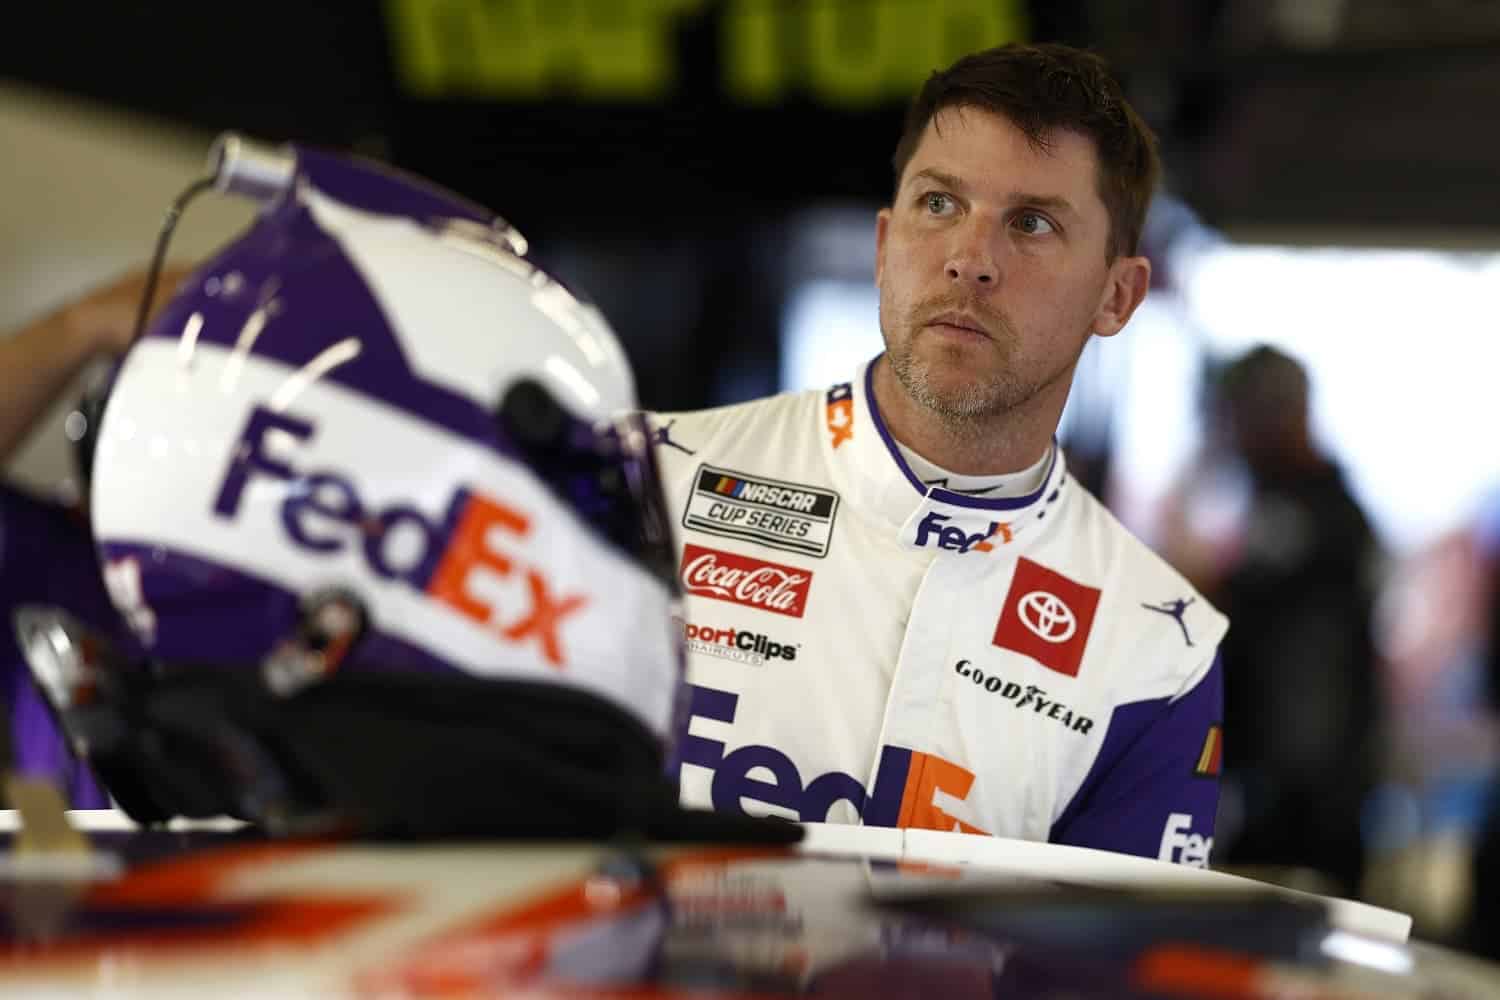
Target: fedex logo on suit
761 779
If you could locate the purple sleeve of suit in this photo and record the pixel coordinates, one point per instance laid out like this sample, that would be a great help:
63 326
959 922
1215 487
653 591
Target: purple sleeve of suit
46 557
1154 788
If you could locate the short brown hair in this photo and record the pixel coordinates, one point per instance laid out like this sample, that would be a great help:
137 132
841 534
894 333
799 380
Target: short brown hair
1040 88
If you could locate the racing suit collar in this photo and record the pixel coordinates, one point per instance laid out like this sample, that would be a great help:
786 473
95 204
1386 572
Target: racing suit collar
875 477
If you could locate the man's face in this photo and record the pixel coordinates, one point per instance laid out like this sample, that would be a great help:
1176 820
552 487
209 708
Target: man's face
992 267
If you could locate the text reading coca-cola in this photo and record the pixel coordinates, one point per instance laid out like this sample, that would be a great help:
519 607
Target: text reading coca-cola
737 579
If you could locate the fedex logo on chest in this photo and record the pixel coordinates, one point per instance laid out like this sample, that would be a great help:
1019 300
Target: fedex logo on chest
935 530
446 557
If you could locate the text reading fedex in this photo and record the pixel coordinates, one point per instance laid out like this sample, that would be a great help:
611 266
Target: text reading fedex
323 513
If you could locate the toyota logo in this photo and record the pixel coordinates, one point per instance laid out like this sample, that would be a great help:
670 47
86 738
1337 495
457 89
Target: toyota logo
1048 617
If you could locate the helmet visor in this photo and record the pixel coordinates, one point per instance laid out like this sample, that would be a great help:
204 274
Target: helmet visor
605 471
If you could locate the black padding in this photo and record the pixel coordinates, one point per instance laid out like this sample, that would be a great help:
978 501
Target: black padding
407 756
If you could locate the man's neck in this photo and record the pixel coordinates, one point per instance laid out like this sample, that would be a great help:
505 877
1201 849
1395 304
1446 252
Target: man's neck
982 446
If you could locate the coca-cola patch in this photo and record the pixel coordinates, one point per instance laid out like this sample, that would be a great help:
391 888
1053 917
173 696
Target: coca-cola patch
791 516
737 579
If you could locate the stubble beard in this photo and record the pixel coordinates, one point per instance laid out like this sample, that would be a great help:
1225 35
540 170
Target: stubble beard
967 405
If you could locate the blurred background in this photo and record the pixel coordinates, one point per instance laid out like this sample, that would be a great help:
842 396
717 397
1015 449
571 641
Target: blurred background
1303 415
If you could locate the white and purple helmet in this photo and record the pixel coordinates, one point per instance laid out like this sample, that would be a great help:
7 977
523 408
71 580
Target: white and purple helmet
372 496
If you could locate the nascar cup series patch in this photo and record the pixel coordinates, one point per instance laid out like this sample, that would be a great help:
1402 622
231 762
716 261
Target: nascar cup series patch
782 515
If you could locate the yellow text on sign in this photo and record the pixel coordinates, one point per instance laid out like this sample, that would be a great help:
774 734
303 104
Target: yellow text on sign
840 53
846 53
524 49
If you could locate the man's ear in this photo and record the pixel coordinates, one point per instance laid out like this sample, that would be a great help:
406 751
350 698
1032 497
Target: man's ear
1129 277
882 227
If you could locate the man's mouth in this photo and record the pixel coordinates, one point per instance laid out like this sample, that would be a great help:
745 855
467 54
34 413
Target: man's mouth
958 324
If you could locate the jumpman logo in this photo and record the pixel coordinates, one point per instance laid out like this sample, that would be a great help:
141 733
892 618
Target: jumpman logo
662 435
1175 610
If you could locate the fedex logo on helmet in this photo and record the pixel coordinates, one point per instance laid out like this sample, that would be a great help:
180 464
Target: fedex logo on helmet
324 514
762 779
934 529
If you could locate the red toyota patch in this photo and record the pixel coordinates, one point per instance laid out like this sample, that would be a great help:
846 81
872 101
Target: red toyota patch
1047 617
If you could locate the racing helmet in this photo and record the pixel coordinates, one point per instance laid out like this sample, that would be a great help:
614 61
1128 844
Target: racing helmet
373 497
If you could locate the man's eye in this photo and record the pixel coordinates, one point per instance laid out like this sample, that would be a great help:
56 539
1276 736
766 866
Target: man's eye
1034 224
937 203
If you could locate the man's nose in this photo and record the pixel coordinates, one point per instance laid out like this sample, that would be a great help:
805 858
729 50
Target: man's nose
973 259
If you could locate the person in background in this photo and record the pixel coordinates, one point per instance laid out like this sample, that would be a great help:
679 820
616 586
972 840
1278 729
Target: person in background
1481 931
46 552
1301 686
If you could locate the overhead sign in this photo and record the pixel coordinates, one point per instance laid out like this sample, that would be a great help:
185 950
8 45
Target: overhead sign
840 53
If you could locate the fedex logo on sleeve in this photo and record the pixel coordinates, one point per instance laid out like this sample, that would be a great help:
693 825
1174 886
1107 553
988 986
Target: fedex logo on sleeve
758 779
1181 845
445 557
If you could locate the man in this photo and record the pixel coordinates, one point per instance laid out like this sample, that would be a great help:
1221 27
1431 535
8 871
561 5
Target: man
1481 930
901 609
46 554
1303 687
42 358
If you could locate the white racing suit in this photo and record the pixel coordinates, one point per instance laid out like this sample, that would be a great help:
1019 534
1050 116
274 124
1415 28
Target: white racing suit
866 648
